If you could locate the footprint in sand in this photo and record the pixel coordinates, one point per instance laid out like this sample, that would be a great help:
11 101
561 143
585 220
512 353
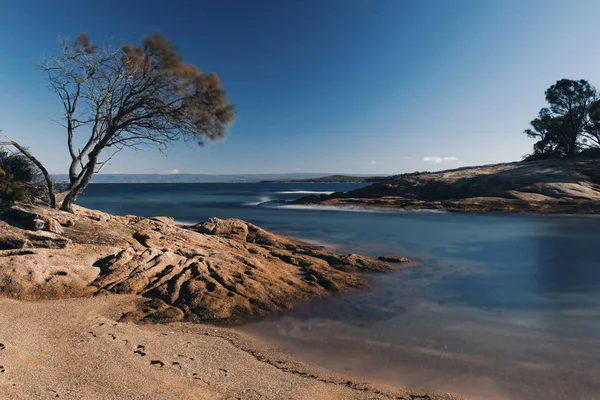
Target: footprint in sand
2 369
197 377
157 363
140 350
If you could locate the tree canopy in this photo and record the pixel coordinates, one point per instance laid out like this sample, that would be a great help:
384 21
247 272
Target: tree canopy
131 97
567 126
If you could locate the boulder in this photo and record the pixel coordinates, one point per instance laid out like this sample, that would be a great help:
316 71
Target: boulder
33 221
52 225
164 220
229 228
24 219
12 240
393 259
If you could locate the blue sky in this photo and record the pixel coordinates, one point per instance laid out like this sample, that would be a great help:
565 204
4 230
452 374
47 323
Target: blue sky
344 86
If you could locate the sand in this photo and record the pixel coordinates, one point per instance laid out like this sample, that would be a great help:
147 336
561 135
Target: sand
78 349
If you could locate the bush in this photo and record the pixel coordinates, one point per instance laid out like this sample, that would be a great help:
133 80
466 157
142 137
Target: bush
19 180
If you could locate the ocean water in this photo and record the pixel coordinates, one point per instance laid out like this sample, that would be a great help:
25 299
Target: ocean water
495 306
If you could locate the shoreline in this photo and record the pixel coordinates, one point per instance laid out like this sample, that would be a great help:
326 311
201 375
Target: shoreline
103 306
493 207
91 354
544 187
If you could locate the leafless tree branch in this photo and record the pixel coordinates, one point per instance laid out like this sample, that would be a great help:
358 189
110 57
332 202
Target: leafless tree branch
131 97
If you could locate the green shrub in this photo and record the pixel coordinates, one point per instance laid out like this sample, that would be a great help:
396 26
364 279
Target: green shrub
18 179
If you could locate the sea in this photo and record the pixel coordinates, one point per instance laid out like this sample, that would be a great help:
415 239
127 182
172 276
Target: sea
495 306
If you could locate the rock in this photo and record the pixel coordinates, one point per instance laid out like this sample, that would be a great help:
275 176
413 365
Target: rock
164 220
24 219
38 224
48 240
143 237
393 259
10 241
230 228
213 271
65 219
92 214
49 273
547 186
32 221
53 226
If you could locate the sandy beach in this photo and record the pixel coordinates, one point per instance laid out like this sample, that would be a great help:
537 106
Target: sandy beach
77 349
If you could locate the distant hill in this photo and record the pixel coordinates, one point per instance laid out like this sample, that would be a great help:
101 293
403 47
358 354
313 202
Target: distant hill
559 186
200 178
332 179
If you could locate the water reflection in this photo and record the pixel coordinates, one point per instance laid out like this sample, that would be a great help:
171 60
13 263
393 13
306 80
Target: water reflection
509 315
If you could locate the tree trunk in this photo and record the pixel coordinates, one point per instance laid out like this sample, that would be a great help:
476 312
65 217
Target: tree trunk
79 187
73 172
47 178
572 147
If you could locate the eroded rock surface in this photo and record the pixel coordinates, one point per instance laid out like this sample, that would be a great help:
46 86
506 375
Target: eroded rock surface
216 270
547 186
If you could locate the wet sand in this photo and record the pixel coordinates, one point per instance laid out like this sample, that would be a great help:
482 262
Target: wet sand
77 349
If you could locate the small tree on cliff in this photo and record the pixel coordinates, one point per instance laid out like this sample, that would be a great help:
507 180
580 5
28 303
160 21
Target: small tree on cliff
565 126
131 97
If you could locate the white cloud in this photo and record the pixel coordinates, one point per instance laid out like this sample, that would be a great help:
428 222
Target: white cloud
438 160
406 158
373 162
174 171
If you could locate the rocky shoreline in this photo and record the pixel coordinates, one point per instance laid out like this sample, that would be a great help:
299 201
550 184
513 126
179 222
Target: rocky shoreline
470 205
218 270
548 186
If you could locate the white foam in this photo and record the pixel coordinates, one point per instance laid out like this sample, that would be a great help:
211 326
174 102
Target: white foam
327 208
263 199
317 207
302 192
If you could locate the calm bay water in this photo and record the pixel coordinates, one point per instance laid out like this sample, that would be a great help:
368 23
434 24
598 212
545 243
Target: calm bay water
496 306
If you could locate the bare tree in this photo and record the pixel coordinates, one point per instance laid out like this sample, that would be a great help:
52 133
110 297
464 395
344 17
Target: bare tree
39 165
131 97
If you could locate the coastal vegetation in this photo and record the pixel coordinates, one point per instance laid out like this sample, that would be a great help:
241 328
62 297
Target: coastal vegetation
19 180
570 124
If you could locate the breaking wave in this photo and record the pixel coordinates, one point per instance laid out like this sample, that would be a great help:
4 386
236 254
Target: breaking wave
302 192
263 199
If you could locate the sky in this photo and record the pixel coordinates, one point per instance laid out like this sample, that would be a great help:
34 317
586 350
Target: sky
336 86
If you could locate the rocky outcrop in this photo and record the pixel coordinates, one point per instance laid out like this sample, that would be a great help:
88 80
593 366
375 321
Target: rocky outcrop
393 259
30 220
213 271
548 186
